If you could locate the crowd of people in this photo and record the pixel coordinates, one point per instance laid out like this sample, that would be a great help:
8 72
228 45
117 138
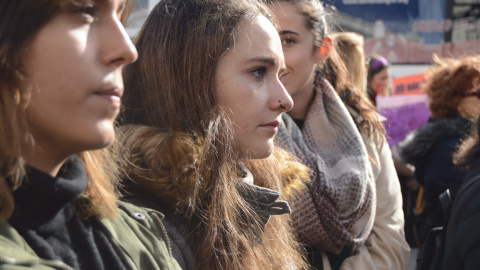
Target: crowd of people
231 134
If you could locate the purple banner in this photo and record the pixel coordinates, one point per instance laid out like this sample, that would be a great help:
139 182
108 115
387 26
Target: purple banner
403 115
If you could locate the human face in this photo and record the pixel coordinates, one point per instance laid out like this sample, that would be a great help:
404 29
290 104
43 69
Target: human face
299 50
379 82
73 69
469 106
249 88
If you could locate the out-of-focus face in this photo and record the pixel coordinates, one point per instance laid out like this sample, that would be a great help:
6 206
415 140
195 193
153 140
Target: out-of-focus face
249 88
298 48
469 106
73 69
379 82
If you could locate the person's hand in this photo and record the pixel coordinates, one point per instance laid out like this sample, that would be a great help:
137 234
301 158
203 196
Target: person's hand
412 184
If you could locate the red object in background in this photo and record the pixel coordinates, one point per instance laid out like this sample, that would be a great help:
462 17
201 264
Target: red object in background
408 85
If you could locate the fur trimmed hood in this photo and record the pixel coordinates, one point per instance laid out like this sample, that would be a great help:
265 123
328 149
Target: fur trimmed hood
165 164
416 145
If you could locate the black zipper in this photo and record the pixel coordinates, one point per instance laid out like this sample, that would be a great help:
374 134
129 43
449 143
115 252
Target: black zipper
164 231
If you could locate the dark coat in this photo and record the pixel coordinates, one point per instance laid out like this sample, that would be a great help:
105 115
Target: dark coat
430 149
462 239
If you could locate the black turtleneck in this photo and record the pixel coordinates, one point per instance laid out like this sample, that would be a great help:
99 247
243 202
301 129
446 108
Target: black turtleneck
49 220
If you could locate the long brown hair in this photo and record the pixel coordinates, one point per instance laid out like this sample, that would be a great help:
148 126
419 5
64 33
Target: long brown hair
21 21
180 147
335 71
468 153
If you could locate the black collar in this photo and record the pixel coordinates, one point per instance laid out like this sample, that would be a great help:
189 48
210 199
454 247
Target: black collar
42 198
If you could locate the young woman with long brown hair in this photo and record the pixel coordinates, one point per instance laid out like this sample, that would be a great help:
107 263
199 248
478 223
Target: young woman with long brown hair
350 216
60 90
199 119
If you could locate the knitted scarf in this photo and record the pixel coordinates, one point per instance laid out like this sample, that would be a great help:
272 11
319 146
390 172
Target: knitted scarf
337 208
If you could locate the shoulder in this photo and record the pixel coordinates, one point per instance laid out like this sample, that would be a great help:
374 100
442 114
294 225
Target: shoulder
142 237
462 238
16 254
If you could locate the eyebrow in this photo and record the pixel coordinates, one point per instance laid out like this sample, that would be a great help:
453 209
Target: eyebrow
265 59
286 32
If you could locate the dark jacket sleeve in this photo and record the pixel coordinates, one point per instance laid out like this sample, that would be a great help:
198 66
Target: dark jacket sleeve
462 242
440 172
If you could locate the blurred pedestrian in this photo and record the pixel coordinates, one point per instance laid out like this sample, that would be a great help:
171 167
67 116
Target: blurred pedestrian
452 86
462 241
378 77
350 49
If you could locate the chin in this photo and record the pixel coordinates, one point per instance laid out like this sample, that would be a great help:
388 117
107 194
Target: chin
103 139
261 153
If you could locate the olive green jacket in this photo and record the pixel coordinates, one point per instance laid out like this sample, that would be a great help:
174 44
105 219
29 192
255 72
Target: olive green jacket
136 233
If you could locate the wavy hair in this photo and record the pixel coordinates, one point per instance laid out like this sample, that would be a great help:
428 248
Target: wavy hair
336 72
179 146
447 80
21 21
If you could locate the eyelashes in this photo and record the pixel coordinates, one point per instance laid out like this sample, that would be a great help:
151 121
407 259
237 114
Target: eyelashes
259 72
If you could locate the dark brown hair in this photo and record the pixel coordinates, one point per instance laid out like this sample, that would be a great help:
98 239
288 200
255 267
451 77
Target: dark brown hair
468 153
180 147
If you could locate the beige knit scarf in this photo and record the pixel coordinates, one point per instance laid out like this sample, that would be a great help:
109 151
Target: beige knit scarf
338 207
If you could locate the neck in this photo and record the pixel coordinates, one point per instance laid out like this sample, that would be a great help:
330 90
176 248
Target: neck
46 161
302 100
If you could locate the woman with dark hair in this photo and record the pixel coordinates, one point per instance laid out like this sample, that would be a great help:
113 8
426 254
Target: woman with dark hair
350 215
61 84
198 127
452 86
462 242
378 74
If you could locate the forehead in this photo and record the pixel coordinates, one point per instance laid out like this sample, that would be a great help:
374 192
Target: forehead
258 38
288 16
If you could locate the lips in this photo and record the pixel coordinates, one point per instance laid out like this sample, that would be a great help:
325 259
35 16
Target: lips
273 124
112 94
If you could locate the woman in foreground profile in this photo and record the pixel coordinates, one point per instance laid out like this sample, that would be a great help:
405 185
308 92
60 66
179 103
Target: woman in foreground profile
61 84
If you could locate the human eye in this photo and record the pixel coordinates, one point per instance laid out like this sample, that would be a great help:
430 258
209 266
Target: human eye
259 72
89 12
288 41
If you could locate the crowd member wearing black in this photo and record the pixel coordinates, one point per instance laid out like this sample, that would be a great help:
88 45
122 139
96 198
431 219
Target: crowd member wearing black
462 241
452 87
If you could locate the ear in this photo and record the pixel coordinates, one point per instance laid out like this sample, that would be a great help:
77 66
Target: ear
324 50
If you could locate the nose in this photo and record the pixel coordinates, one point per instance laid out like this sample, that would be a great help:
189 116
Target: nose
280 100
118 49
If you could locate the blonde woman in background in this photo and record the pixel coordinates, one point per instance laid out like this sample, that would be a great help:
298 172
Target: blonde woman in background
350 49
